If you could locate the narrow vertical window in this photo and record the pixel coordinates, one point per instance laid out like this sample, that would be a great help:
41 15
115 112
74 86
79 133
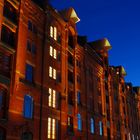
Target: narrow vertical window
51 31
29 73
55 33
54 53
28 107
53 99
53 129
79 122
54 74
49 128
50 97
92 126
101 128
50 71
78 98
51 51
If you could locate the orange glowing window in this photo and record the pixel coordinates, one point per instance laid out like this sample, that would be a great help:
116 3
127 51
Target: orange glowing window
51 128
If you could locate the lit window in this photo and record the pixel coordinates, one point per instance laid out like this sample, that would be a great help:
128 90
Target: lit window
79 122
29 73
50 71
54 53
51 51
54 74
51 128
70 124
53 32
28 107
101 128
52 98
92 128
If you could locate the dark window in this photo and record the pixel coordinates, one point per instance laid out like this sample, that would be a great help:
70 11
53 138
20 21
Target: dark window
5 64
70 42
70 98
27 136
78 98
34 29
70 124
28 46
2 134
7 36
107 99
29 73
28 107
3 106
108 134
70 77
100 108
78 79
30 26
33 49
10 12
70 59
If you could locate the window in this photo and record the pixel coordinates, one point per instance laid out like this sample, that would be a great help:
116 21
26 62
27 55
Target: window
51 128
53 52
78 98
2 134
27 136
52 72
79 122
5 64
10 12
53 32
70 98
8 36
101 128
30 25
92 126
29 73
31 47
70 124
28 107
52 98
3 97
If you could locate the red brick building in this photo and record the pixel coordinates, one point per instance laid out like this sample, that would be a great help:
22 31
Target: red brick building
56 85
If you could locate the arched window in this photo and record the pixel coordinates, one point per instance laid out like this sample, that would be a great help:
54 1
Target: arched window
28 107
92 126
27 136
79 122
3 97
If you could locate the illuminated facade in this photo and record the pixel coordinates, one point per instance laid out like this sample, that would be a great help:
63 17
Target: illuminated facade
56 85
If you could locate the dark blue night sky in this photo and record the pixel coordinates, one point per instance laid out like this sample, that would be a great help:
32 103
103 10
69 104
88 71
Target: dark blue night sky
117 20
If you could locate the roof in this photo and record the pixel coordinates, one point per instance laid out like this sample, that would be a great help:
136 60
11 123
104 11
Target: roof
101 44
70 13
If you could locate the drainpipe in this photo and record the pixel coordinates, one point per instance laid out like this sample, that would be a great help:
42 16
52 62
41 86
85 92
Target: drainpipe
42 78
85 51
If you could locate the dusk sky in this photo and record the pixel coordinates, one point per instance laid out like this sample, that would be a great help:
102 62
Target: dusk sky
117 20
